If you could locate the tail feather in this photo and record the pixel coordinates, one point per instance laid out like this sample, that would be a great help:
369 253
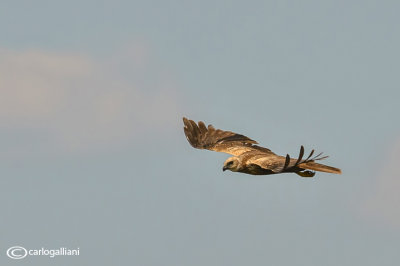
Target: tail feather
320 167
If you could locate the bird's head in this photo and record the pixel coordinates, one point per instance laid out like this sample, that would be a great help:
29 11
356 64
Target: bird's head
232 164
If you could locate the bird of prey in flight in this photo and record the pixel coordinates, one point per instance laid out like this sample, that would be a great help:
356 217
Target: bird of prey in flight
249 158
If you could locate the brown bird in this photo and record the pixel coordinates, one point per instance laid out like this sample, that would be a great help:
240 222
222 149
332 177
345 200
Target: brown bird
249 158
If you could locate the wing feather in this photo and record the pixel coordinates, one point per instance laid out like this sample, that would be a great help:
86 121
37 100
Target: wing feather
202 127
209 138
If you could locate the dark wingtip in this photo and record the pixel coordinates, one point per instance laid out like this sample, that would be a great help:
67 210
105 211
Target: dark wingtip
287 161
309 156
300 155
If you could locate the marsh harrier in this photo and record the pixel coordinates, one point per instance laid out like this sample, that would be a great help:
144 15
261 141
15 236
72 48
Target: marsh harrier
249 158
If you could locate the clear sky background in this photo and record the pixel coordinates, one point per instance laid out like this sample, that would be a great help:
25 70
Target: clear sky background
93 154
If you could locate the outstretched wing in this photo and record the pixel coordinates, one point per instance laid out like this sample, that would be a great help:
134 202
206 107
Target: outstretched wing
209 138
280 164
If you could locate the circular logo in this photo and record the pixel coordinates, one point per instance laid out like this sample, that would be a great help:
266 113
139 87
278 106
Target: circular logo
17 252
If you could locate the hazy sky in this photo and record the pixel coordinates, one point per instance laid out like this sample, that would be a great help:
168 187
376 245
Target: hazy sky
93 154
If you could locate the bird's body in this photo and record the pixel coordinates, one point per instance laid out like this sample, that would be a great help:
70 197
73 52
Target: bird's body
249 158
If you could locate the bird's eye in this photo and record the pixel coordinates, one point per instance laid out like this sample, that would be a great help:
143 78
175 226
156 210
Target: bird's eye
230 163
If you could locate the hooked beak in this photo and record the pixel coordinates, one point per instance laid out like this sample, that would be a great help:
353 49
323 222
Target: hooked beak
224 168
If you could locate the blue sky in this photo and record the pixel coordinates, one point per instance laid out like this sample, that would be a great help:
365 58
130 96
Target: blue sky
94 156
